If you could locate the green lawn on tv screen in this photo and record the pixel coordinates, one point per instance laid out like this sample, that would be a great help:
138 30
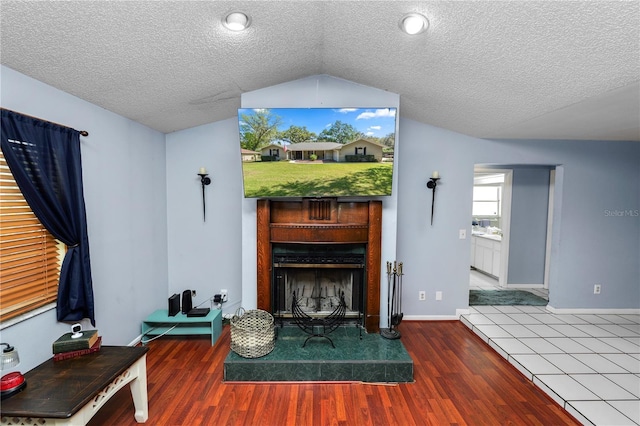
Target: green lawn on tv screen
315 179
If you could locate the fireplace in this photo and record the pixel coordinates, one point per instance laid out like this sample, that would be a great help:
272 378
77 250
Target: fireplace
318 276
320 249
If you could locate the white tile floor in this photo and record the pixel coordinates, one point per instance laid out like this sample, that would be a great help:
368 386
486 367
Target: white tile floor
589 364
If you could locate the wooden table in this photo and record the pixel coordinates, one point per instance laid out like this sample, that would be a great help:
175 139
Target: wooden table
70 392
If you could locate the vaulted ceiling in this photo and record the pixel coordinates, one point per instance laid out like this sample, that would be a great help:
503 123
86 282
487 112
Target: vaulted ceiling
503 69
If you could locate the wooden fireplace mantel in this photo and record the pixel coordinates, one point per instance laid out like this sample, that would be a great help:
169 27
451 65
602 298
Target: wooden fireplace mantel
321 221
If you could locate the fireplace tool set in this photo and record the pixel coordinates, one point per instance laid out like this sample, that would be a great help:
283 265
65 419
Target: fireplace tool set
394 300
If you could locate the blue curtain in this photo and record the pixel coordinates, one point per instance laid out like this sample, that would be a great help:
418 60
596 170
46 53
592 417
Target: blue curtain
46 164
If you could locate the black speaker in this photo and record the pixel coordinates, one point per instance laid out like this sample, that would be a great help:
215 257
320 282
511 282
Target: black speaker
174 305
186 301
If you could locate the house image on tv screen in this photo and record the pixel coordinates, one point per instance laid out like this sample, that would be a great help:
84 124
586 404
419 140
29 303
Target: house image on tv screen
358 150
317 152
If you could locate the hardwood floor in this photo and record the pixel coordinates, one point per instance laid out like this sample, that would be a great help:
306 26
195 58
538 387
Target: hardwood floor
458 380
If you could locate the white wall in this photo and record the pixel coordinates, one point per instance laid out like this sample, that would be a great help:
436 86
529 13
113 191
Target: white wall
125 194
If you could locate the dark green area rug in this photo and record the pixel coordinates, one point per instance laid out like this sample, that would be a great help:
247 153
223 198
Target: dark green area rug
504 297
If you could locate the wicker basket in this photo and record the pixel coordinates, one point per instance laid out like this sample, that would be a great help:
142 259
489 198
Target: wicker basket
252 333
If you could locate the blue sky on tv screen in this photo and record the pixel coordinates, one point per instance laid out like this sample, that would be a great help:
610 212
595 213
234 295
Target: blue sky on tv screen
376 122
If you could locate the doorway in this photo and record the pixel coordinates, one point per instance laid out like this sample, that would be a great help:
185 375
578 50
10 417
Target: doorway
490 221
512 222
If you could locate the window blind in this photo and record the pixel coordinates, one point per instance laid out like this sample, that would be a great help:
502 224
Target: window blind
30 258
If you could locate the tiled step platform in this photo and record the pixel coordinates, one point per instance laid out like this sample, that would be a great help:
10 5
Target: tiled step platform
370 359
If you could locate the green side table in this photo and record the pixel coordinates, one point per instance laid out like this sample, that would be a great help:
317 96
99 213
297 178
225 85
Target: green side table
160 323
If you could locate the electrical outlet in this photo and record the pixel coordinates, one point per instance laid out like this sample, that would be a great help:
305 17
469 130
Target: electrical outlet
193 293
223 293
597 288
462 234
422 295
438 295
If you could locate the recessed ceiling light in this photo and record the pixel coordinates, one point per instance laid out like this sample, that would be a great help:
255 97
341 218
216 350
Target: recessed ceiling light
236 21
414 23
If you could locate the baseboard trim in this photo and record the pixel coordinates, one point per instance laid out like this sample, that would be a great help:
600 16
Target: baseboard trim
135 341
431 317
461 312
524 286
595 311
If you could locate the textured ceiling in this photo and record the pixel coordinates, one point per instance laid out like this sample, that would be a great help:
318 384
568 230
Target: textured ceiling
518 69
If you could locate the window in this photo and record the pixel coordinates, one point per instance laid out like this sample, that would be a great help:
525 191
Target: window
487 201
30 258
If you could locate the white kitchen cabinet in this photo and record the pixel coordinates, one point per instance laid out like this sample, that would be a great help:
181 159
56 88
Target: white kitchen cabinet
473 251
495 266
479 257
487 260
486 254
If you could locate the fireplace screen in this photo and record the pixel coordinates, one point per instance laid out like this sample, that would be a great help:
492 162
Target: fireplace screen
318 275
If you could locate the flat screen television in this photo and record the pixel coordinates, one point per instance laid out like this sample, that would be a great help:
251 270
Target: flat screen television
317 152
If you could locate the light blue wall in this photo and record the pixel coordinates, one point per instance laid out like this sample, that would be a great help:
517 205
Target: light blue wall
589 246
221 252
435 259
204 255
148 239
528 230
125 195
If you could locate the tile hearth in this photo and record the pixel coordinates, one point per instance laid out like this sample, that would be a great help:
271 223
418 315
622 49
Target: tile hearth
370 359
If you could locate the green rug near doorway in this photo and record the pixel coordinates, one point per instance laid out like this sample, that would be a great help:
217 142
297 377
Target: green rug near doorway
505 297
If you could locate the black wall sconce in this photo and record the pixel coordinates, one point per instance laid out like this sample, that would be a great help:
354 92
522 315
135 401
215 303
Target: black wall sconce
433 182
205 180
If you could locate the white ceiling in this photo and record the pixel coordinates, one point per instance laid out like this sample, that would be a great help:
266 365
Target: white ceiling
517 69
